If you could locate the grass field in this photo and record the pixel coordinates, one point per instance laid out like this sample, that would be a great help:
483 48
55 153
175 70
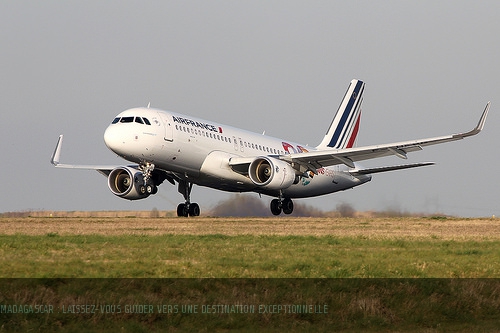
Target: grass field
391 252
249 248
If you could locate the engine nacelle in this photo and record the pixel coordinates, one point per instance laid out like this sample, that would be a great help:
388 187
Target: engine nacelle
271 173
128 183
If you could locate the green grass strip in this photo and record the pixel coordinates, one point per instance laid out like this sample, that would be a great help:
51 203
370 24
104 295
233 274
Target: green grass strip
244 256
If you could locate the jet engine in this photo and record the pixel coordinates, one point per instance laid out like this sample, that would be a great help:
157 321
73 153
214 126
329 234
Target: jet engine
128 183
271 173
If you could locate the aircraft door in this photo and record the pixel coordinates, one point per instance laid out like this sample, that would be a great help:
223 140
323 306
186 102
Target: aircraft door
235 143
168 135
241 144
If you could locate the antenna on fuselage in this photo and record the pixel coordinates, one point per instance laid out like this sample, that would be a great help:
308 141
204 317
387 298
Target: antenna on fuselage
149 104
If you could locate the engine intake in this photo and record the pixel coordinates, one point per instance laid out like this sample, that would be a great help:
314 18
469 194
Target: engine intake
271 173
128 183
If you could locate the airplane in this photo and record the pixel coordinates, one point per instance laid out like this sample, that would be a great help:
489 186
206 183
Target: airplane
164 145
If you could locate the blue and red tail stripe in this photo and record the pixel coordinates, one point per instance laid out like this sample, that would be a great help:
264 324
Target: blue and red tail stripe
345 125
348 117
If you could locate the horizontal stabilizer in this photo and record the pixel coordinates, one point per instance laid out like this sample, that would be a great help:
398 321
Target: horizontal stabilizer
388 168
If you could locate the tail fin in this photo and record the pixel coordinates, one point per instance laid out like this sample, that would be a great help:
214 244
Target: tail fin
345 125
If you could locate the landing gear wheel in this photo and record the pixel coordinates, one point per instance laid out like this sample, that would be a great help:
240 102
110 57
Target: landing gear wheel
182 210
187 209
142 189
275 207
287 205
194 209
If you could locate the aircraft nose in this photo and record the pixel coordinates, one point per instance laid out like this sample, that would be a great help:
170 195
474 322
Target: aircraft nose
112 138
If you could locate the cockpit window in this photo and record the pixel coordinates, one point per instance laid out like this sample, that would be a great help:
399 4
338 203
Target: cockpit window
139 120
127 120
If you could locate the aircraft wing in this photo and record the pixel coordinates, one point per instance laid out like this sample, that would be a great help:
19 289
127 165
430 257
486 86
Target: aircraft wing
311 161
103 169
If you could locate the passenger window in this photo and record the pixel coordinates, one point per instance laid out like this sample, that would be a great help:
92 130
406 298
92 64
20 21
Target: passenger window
146 121
139 120
115 120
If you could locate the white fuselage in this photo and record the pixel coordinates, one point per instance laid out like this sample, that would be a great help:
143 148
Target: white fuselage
199 151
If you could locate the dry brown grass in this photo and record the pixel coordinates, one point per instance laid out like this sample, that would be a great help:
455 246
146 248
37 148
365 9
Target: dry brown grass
390 227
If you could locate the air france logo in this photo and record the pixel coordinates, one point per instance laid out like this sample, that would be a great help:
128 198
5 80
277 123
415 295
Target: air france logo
190 122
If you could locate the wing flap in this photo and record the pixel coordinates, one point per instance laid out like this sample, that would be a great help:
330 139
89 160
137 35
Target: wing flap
388 168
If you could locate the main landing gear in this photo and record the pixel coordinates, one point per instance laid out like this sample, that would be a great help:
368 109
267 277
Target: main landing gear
281 204
187 209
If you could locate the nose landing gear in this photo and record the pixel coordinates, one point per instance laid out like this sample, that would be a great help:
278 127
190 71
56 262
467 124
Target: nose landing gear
149 187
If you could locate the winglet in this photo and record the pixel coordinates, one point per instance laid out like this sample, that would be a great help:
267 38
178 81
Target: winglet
480 124
57 152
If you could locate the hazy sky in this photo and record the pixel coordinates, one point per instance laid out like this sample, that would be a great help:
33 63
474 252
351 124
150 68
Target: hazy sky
68 67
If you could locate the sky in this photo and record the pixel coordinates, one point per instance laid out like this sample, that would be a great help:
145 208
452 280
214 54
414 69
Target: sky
430 67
